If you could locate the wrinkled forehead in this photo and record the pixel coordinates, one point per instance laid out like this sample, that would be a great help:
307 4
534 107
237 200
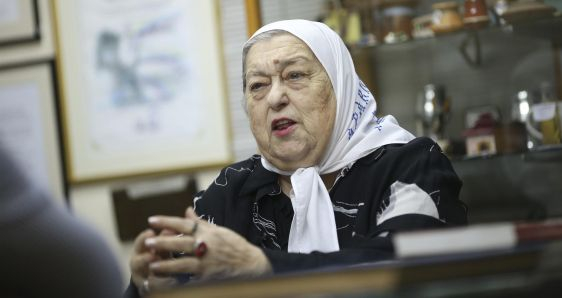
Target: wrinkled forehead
320 39
278 48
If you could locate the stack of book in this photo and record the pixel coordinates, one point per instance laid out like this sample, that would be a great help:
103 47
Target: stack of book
475 238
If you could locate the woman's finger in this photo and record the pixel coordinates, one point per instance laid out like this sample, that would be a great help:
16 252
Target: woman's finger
179 224
139 264
175 266
171 243
139 241
156 283
190 213
167 232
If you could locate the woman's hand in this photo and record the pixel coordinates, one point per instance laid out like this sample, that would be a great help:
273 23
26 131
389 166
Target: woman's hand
228 254
141 276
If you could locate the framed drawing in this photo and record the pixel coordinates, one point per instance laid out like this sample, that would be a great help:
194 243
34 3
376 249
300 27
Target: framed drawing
19 21
142 87
28 123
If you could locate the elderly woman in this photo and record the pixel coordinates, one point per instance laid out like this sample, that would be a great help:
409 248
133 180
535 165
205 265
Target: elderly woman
332 184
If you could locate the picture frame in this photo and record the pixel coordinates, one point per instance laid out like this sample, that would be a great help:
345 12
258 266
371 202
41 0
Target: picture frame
19 22
143 87
29 127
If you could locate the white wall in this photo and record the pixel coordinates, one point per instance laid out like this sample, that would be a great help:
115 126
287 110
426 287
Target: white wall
93 202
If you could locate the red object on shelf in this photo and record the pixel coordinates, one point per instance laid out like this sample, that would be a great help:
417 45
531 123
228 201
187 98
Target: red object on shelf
475 14
481 139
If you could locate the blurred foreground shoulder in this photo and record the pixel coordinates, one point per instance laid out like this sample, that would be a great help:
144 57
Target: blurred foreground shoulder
46 251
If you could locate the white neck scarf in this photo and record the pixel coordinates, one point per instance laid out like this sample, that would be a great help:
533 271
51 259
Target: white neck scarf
357 132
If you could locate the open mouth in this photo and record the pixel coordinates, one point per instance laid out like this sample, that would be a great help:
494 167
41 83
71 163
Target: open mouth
282 126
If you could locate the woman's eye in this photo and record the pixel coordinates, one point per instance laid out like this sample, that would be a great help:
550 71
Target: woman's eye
295 75
256 86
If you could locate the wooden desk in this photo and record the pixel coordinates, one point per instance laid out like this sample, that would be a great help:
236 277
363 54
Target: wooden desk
387 279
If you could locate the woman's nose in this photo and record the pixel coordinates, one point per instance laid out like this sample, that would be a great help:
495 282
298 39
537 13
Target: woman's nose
277 97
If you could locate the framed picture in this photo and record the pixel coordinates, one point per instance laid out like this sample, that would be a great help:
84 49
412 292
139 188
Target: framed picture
142 87
28 124
19 21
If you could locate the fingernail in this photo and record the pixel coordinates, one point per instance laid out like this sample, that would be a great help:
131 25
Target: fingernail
153 219
153 266
149 241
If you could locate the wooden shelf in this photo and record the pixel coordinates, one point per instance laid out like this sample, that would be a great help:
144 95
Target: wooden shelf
546 28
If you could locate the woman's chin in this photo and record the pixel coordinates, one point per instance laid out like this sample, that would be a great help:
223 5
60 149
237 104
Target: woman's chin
288 162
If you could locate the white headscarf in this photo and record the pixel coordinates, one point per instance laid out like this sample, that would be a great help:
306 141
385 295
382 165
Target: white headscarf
357 132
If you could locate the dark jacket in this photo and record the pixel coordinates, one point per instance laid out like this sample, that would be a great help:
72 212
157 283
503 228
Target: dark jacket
45 251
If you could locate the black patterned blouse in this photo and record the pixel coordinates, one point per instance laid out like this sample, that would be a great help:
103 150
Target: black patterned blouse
396 188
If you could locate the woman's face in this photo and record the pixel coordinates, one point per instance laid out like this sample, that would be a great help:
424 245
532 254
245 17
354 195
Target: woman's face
290 102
